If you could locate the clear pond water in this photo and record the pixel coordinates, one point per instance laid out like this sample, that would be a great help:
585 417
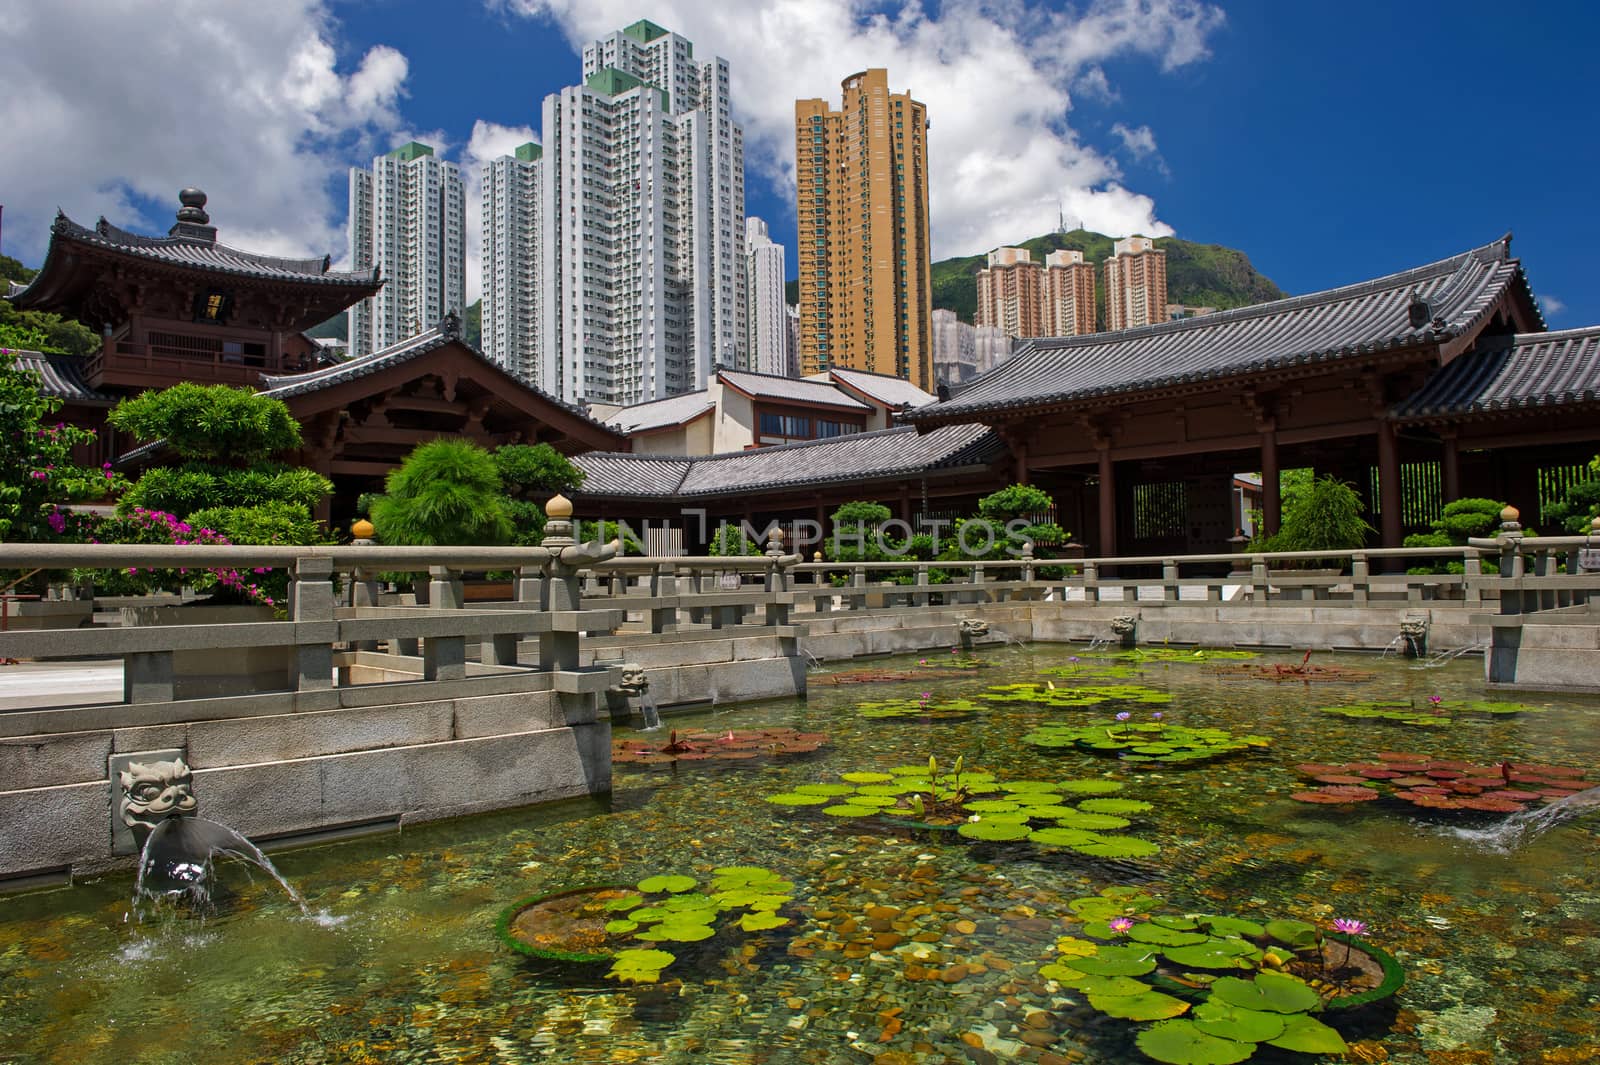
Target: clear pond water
904 947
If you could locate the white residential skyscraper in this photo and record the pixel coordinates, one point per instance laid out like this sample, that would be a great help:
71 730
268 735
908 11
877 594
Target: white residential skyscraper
408 218
768 343
641 207
512 271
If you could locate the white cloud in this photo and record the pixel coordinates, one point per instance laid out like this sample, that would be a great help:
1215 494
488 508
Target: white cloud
1551 305
489 141
109 106
1094 85
1139 142
997 78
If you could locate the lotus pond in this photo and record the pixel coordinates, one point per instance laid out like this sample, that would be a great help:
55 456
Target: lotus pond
1144 879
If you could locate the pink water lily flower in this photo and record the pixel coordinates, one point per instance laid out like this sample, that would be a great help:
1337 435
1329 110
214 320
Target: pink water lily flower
1349 926
1120 925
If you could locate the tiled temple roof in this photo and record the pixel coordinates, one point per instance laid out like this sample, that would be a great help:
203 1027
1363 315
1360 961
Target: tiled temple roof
1320 327
771 386
201 254
1528 372
892 392
896 452
662 413
61 376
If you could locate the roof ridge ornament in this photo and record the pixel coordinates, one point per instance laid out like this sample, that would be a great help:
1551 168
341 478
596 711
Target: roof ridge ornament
1418 311
450 326
193 222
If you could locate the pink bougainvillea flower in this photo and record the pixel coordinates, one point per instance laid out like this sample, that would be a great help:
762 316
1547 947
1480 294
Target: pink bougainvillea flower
1349 926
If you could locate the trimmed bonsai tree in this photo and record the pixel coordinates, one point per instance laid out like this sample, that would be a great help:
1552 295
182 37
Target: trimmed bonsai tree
529 473
446 493
1457 522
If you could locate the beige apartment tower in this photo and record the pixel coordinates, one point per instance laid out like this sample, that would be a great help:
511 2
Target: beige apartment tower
1068 294
866 291
1136 284
1028 299
1011 292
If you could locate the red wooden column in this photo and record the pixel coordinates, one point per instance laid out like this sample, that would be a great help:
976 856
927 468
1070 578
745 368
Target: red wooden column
1108 503
1450 464
1389 484
1271 486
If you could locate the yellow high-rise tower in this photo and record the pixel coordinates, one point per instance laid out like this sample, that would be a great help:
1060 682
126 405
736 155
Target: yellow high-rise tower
866 288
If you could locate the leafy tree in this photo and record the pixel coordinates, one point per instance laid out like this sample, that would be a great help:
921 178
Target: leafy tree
216 422
37 472
1326 516
1579 505
731 541
13 270
446 493
603 532
537 469
36 330
1021 502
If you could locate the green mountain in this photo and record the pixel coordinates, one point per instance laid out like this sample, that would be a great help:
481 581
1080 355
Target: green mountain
1200 275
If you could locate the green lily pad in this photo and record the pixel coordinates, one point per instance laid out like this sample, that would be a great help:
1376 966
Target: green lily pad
1063 837
790 798
1093 822
1180 1042
624 902
1273 992
824 789
1150 1006
1115 806
1309 1036
851 810
1232 926
1108 985
621 927
1118 847
1091 787
760 921
1116 960
640 966
1182 924
1218 1018
1214 954
1297 934
993 831
986 806
677 932
1149 932
1061 974
867 777
674 884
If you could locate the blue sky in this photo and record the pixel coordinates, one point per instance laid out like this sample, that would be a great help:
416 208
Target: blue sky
1329 142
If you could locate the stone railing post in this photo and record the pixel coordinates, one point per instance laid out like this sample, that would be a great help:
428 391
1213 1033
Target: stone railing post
1169 580
364 588
1511 560
1027 561
558 649
858 579
1258 579
1472 573
1091 579
1360 578
777 580
444 657
664 584
922 597
312 601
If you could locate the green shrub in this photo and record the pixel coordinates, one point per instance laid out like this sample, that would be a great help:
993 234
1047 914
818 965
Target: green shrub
606 531
1579 505
731 541
538 469
446 493
193 486
1326 516
1458 521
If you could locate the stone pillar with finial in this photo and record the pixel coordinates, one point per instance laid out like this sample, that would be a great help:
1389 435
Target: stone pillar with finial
563 592
363 582
777 579
1511 559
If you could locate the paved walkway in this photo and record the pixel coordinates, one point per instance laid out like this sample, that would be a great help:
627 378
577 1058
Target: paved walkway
30 685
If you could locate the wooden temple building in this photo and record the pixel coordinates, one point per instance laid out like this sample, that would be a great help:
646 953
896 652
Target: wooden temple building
185 307
1418 387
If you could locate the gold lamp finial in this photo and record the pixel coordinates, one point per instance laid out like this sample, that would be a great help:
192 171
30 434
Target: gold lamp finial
558 507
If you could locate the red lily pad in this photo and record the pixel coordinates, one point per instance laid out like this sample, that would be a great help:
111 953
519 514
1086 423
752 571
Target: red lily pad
1340 778
1489 803
1335 796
